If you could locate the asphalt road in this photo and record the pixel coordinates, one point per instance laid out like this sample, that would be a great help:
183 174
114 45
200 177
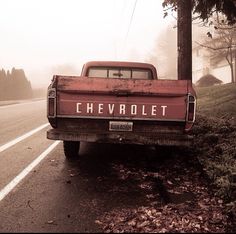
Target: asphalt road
17 119
55 195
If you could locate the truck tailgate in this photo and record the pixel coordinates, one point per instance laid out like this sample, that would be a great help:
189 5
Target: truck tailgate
83 97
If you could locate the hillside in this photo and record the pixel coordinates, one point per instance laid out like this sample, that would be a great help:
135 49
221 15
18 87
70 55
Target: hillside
217 101
214 140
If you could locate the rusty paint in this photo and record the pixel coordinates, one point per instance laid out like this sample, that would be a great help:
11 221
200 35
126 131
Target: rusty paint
104 85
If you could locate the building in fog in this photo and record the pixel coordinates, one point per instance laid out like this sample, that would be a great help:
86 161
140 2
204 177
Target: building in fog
207 61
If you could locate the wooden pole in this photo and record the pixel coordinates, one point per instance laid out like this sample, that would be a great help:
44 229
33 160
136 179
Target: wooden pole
184 39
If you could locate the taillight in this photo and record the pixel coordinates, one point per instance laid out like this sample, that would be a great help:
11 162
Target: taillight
51 107
52 102
191 109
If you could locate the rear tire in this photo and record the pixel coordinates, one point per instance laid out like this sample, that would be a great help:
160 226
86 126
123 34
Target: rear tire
71 149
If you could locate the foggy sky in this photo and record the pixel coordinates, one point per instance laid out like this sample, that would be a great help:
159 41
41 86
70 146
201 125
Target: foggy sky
46 36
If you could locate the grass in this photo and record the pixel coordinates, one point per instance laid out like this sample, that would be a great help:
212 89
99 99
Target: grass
218 101
215 139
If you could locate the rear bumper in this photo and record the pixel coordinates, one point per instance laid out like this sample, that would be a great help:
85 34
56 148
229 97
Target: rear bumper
122 138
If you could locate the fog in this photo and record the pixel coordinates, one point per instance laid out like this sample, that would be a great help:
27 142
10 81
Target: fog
44 37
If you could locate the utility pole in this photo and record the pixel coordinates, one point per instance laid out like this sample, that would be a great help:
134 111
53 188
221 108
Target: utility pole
234 81
184 39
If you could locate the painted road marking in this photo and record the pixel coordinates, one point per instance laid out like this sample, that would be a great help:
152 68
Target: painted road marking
8 188
17 103
21 138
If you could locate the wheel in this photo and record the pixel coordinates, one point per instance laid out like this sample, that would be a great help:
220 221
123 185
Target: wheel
71 149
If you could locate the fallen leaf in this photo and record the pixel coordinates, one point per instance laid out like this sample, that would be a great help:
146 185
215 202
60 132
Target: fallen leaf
98 222
50 222
145 223
132 223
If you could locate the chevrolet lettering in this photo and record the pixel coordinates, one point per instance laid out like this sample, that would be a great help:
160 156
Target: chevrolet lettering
110 109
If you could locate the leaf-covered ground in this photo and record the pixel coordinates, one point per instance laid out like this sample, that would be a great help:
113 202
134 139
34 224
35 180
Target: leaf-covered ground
178 198
190 190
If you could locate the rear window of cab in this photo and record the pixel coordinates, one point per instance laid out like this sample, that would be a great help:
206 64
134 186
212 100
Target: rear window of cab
122 73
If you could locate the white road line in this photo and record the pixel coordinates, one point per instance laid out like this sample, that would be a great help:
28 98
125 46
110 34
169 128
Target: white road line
21 138
8 188
9 105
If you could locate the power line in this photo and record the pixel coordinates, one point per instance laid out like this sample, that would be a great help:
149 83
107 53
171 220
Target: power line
131 19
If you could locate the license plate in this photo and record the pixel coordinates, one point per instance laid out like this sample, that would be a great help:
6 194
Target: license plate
120 126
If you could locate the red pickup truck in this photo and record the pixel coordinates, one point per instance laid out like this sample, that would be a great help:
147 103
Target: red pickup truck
119 102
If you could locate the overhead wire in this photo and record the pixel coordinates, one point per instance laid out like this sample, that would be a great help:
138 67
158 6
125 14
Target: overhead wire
130 22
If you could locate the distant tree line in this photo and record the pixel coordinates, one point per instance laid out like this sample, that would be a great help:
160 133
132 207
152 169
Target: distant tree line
14 85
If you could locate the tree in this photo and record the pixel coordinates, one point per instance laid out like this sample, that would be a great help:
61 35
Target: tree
204 9
14 85
222 42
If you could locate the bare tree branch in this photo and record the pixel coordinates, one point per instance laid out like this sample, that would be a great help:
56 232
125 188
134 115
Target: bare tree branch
214 48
